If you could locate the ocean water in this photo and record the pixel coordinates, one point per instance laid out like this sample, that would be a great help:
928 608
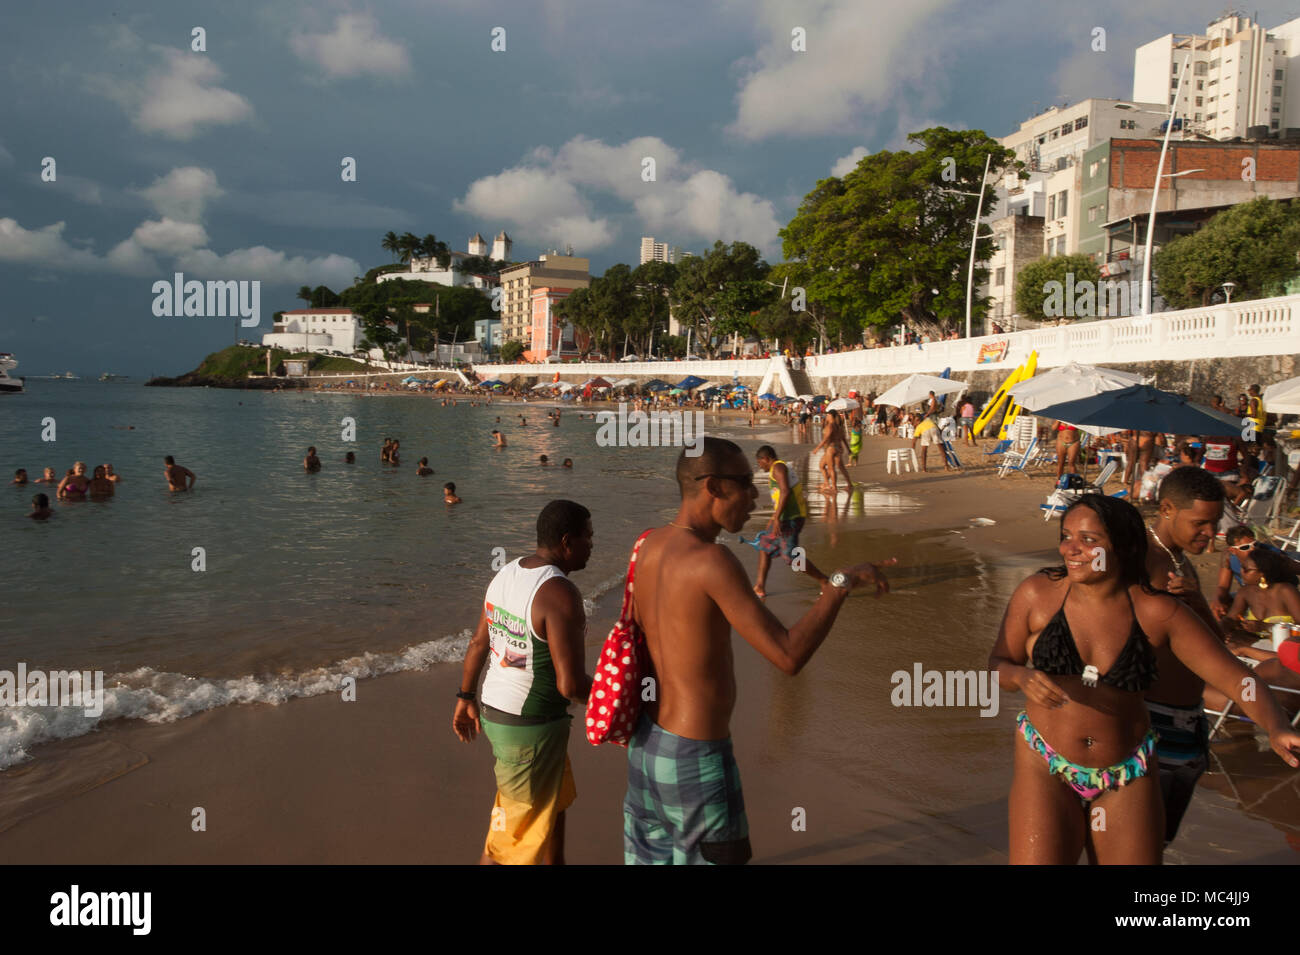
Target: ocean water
356 570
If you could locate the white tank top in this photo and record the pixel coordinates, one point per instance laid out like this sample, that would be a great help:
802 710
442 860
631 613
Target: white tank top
521 673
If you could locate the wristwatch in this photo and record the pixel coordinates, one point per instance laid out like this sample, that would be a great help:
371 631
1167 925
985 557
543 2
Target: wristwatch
840 579
462 695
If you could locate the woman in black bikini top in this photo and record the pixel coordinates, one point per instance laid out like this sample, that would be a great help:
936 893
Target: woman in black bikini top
1085 739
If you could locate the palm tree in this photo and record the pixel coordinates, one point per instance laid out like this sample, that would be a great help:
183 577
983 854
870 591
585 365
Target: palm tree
432 248
390 244
304 293
407 244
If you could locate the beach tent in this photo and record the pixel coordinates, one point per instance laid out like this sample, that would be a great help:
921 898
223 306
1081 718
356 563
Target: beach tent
689 382
596 382
656 385
916 388
1143 408
1283 398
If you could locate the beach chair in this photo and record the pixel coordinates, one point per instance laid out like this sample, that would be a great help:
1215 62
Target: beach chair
1291 539
1227 713
1060 499
1259 508
1002 447
950 455
1022 463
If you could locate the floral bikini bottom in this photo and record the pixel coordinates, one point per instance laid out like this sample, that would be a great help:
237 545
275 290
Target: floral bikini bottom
1090 782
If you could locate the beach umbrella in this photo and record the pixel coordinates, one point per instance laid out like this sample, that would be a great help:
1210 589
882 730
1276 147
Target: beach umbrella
624 382
566 387
804 398
656 385
843 404
1143 408
689 382
916 388
706 386
677 391
739 388
1284 397
768 396
1069 383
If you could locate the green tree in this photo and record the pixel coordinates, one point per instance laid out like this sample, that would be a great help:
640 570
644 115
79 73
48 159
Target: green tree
320 297
1043 286
512 351
891 239
304 293
715 292
391 244
1252 244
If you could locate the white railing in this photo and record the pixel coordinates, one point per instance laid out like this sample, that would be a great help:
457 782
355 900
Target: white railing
1254 328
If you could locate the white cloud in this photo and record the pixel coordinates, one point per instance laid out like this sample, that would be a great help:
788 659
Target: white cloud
271 266
183 193
160 246
846 164
858 59
45 246
539 204
549 198
354 48
178 97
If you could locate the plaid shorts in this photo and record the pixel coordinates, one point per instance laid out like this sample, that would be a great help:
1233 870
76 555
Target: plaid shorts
783 541
683 805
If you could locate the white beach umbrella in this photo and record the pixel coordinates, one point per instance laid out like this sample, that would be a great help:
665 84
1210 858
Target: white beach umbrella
1284 397
565 386
916 388
843 404
1071 382
624 382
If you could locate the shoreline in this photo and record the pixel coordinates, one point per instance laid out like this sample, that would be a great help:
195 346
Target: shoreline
382 779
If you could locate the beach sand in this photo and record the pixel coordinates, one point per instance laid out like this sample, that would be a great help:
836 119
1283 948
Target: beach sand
383 780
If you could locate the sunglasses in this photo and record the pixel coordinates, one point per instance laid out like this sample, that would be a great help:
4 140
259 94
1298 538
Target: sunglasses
1247 546
744 480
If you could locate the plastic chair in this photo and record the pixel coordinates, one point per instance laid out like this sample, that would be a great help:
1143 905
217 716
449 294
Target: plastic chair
1002 447
898 459
1025 462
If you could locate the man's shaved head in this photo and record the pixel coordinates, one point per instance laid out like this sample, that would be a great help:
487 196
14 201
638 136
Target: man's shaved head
718 456
1185 485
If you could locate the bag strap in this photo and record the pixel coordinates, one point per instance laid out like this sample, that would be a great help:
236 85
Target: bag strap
631 576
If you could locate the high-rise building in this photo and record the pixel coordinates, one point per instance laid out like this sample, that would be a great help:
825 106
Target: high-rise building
556 273
1239 82
652 251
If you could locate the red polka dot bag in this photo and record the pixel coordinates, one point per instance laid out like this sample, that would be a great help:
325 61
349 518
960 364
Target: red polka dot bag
615 699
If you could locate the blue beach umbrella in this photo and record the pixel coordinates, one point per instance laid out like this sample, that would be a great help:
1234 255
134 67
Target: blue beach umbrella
689 382
656 385
768 396
1142 408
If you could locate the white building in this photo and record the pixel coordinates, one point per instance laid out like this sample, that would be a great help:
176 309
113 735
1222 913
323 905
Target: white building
652 251
428 270
1047 206
317 330
1241 80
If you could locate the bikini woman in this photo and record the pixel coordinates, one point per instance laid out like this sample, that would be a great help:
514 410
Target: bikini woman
1268 595
1085 763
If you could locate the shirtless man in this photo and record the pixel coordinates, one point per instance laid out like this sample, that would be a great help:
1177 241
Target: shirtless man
311 462
499 439
449 493
423 469
47 477
178 478
20 476
684 801
1191 503
1146 443
111 474
40 508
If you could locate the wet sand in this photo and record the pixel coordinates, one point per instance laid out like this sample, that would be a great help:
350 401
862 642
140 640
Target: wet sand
383 779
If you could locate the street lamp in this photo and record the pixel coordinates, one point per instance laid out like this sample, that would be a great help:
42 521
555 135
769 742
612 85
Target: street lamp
974 239
1227 290
1155 188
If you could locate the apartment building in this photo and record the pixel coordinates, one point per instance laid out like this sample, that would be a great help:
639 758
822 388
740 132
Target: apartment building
555 272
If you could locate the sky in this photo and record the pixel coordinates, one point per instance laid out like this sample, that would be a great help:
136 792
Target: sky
133 147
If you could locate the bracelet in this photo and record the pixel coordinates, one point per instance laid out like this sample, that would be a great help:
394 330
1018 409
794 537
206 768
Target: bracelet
462 695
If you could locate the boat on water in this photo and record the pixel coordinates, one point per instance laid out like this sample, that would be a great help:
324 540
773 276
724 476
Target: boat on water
9 384
109 376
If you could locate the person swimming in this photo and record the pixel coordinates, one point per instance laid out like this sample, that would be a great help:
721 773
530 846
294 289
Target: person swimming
499 439
99 486
423 469
449 493
568 462
543 460
311 462
74 483
20 476
40 508
111 474
178 478
47 477
350 458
